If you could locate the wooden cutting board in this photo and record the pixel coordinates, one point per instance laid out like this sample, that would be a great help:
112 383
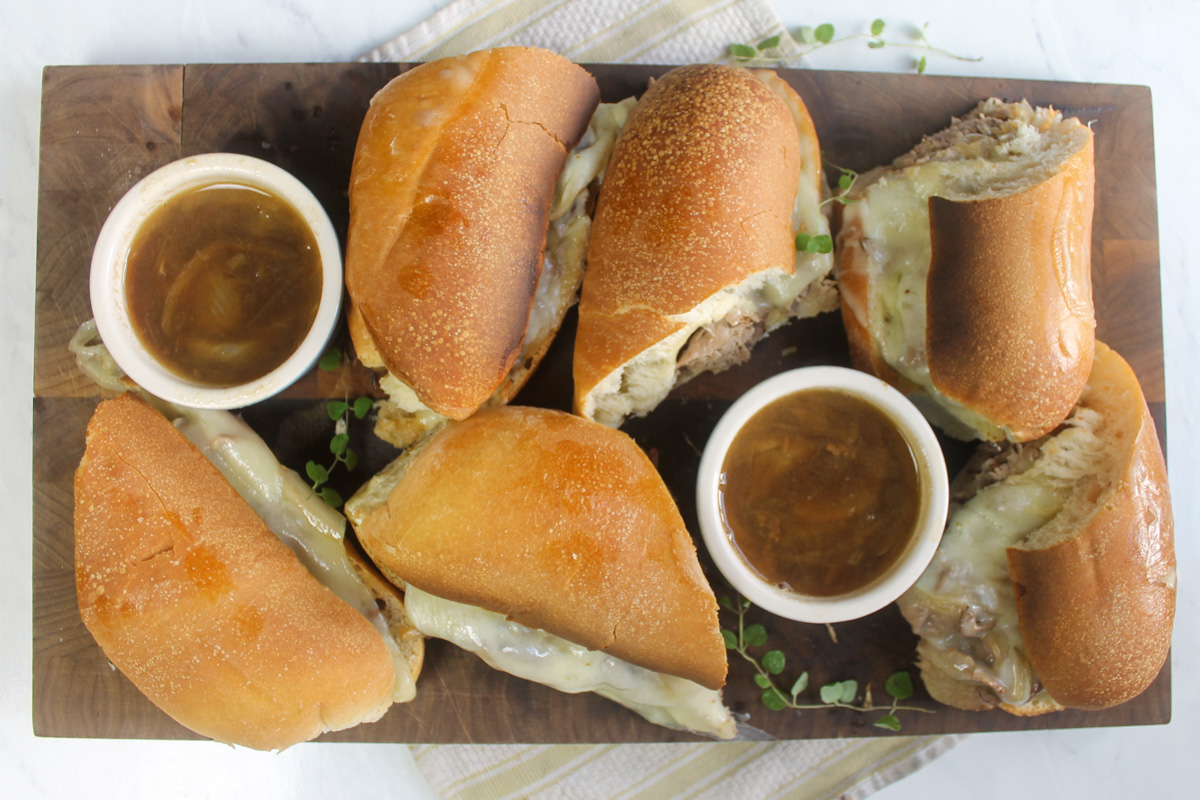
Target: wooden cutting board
103 128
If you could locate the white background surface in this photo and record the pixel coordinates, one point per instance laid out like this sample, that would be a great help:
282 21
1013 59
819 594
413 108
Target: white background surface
1075 40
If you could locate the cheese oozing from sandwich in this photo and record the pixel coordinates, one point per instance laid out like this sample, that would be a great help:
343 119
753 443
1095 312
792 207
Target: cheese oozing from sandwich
1000 150
719 332
536 655
289 507
562 271
964 607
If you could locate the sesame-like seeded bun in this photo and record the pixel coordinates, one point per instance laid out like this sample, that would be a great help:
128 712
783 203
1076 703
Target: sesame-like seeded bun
450 196
692 256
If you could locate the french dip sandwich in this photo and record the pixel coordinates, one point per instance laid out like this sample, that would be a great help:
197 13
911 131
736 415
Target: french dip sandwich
965 271
1054 585
455 289
692 257
549 546
221 586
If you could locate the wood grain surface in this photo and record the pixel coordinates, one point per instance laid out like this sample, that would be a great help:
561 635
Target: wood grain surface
103 128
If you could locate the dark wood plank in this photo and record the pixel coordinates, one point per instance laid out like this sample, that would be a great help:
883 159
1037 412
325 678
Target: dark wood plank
105 127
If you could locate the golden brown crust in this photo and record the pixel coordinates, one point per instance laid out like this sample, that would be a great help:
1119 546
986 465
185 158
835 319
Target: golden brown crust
561 524
450 195
1009 309
1097 599
697 197
200 605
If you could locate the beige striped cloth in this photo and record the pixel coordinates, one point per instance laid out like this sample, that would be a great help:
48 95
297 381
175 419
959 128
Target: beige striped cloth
645 32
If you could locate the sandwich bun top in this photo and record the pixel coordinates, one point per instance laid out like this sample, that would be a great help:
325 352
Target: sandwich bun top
450 194
1096 586
193 598
698 196
560 524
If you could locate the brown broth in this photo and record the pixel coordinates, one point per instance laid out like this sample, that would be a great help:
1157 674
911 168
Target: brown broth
820 492
223 283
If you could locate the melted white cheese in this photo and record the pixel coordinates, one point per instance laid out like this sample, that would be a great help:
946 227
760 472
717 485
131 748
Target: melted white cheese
538 656
964 602
288 506
566 245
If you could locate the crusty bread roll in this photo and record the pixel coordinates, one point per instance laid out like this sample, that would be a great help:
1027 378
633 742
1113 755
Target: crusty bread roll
193 598
557 525
692 256
1054 585
583 538
450 194
965 271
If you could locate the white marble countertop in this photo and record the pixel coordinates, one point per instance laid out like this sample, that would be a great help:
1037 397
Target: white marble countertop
1100 41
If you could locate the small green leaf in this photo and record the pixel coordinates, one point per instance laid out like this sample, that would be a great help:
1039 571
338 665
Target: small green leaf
890 722
876 44
806 34
362 405
800 685
849 691
724 602
730 639
831 692
762 680
742 51
921 66
773 700
337 445
336 408
767 44
774 662
846 180
877 27
802 240
316 473
331 497
350 459
824 33
899 686
824 243
755 636
331 360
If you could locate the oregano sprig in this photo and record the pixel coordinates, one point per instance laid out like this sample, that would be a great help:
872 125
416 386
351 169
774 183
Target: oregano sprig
845 183
339 446
839 694
811 39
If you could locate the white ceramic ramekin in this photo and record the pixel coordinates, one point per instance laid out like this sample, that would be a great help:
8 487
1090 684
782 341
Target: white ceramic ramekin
107 282
904 571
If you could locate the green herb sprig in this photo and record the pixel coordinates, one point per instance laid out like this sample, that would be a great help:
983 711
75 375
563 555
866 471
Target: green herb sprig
839 694
845 183
807 243
811 39
339 446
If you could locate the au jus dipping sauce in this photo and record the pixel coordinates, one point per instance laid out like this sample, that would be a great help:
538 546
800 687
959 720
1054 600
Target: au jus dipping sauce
820 493
223 283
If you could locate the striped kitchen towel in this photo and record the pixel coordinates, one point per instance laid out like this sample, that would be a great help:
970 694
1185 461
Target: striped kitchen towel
645 32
